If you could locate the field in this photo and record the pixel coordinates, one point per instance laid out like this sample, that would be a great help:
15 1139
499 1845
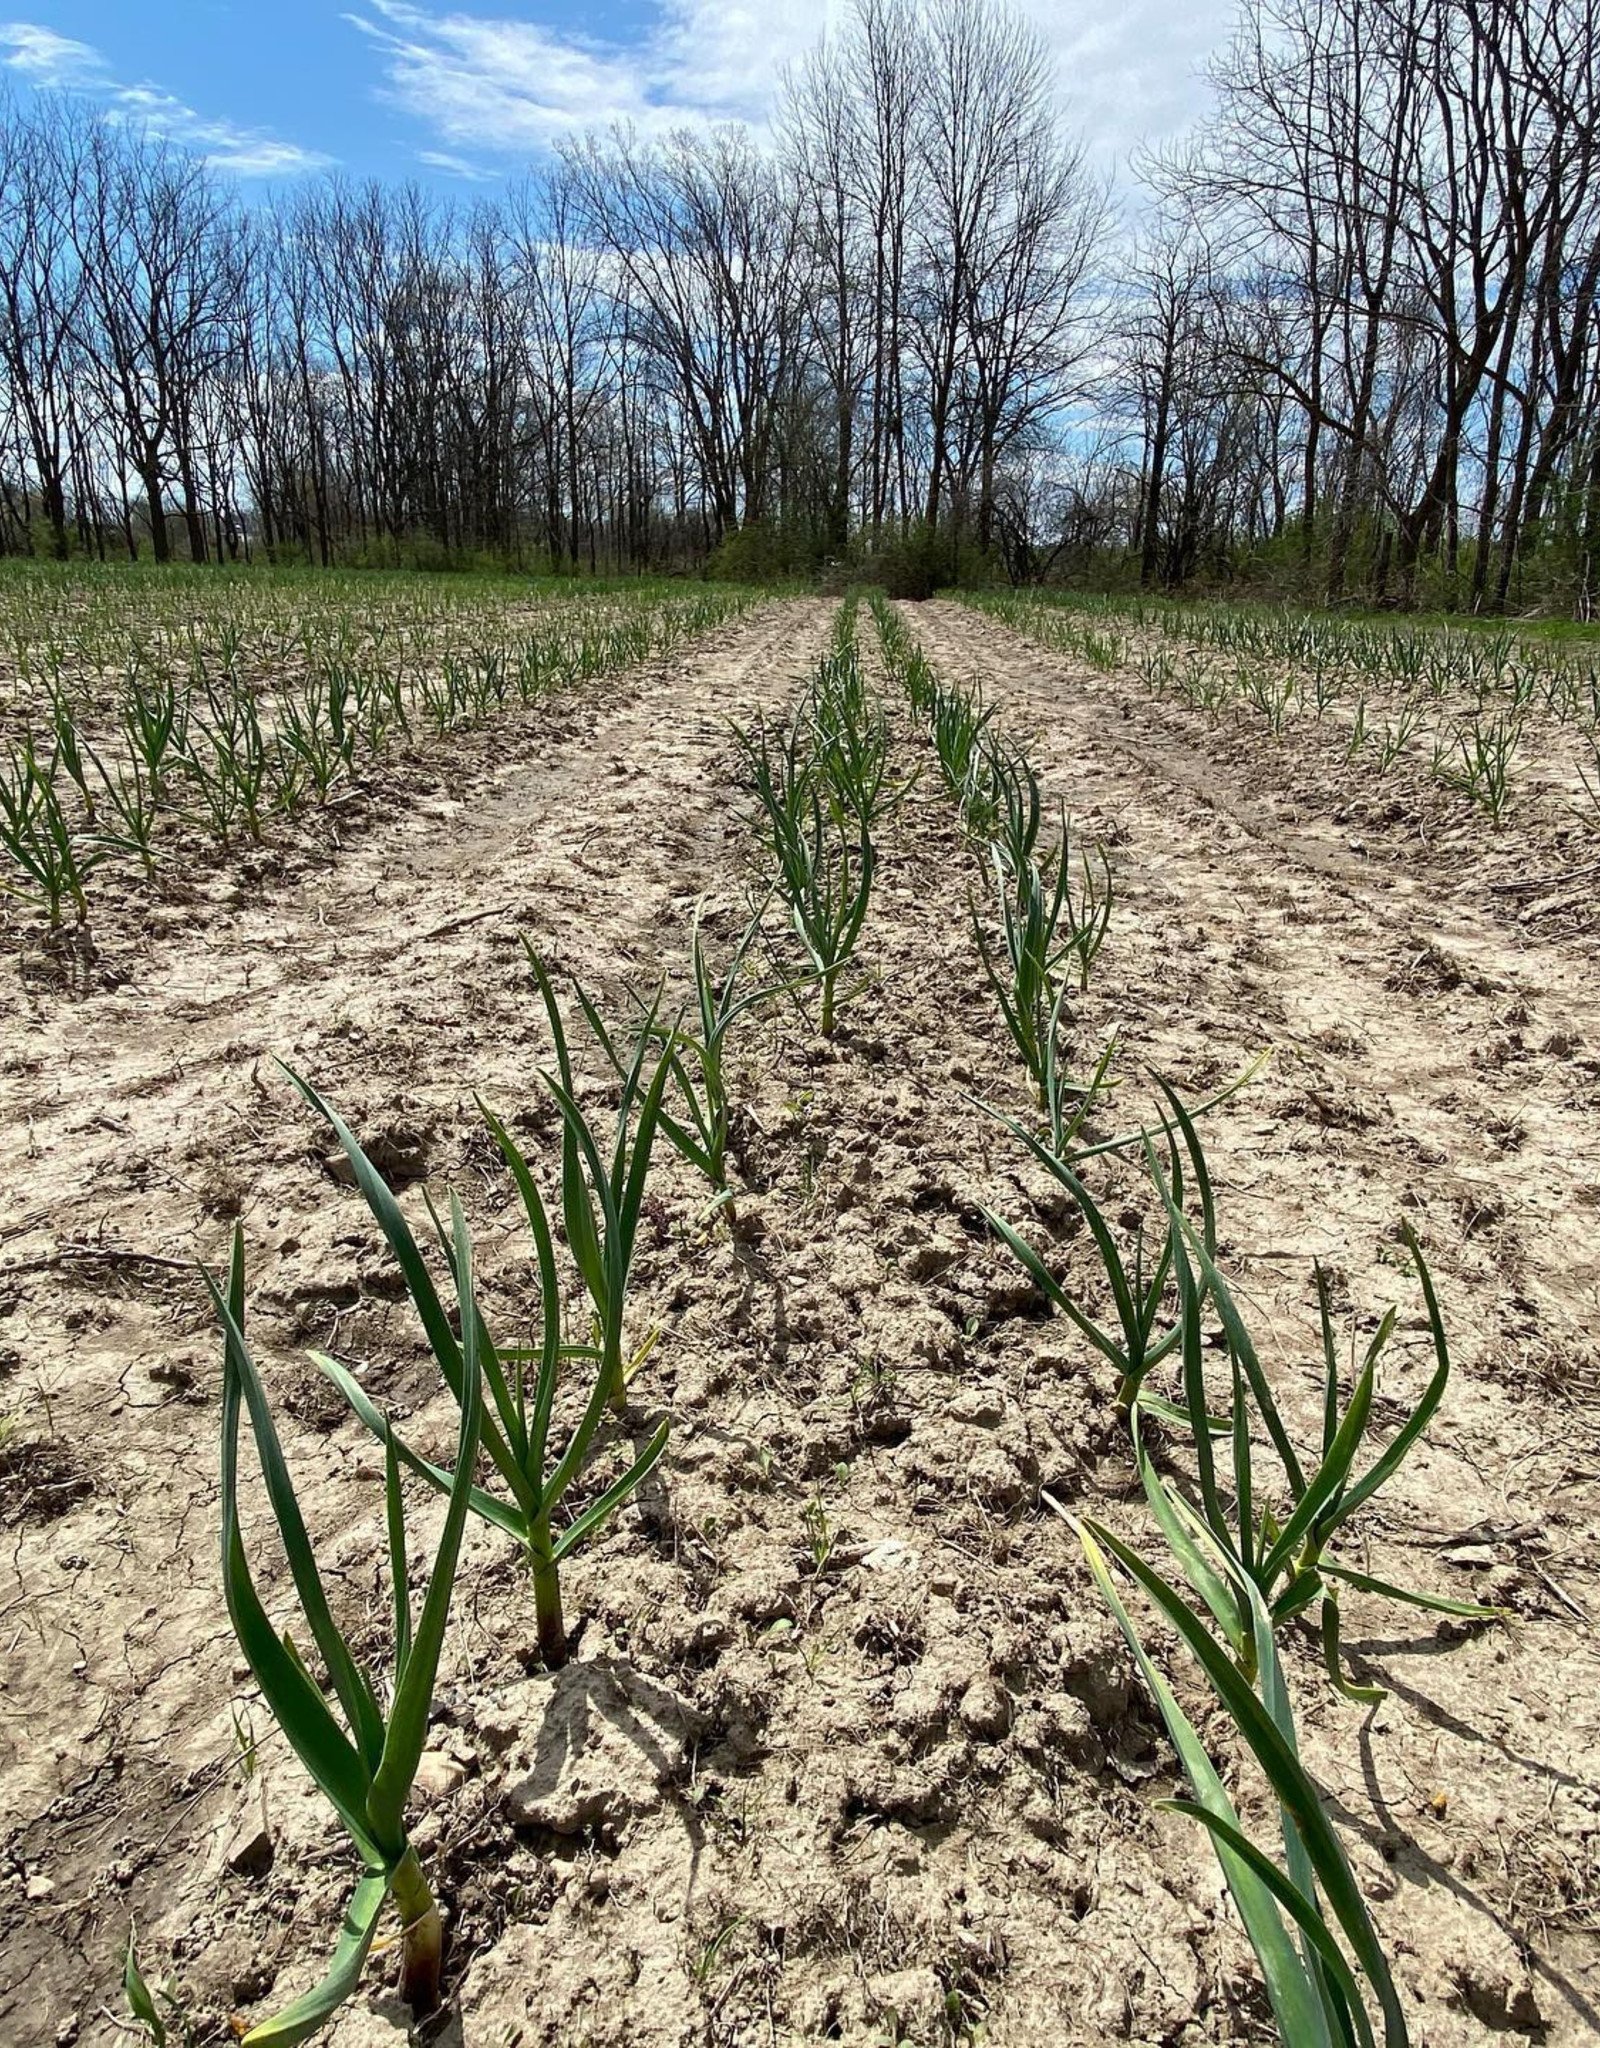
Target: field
848 1744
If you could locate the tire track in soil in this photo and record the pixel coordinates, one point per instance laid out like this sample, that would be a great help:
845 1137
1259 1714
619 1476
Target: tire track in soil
148 1117
1430 1063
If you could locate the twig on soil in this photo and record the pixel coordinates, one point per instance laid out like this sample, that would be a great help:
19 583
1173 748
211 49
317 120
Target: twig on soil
1527 885
457 924
23 1225
1550 1585
111 1254
578 860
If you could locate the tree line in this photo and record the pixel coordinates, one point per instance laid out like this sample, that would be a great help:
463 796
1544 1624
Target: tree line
1342 337
1365 304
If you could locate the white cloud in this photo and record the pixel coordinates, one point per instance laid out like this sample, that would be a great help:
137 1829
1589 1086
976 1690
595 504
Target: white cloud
58 64
49 60
500 82
1136 74
456 166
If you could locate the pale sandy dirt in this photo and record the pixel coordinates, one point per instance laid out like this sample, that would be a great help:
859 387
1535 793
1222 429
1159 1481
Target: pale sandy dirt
905 1796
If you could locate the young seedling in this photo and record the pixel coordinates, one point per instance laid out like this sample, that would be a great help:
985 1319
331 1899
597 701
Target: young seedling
904 658
602 1201
850 742
783 774
1020 806
825 855
70 749
1280 1543
1068 1103
143 2011
307 738
1138 1292
362 1758
698 1053
131 801
958 722
1082 897
39 836
1043 924
154 723
1589 773
1396 735
517 1431
230 763
1143 1337
1293 1913
1267 693
1477 758
1024 971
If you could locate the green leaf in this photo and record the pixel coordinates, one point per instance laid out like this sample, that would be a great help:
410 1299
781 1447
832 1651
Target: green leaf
137 1992
383 1429
633 1188
600 1511
311 2012
1052 1289
1127 1139
1191 1299
1423 1413
1435 1603
1289 1987
408 1718
550 1352
419 1282
1174 1412
1175 1525
349 1682
1361 1695
1240 1342
585 1237
1302 1910
399 1571
299 1708
1243 1486
1326 1481
1284 1772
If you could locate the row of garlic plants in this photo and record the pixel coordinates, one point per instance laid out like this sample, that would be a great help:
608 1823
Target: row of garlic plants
210 748
1256 1532
1530 666
1458 703
538 1425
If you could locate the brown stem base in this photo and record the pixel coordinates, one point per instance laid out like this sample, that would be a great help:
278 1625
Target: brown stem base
422 1949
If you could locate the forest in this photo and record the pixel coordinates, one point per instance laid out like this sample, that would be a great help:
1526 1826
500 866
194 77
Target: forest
1337 341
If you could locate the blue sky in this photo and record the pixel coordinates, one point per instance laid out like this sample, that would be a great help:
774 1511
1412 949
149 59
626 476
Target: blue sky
461 93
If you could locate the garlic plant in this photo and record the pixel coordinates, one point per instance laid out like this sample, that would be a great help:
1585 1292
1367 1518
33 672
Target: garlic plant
820 788
361 1747
536 1460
